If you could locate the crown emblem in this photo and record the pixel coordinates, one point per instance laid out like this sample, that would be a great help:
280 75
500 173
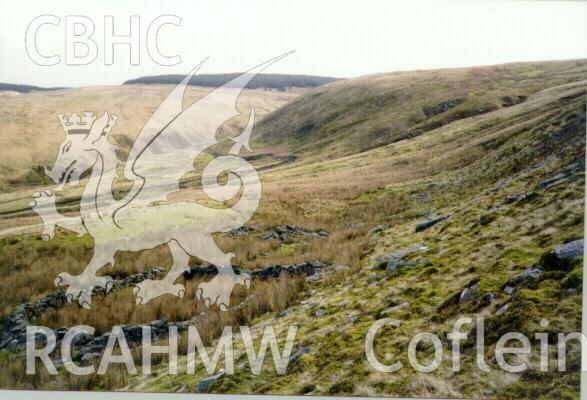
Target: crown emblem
76 125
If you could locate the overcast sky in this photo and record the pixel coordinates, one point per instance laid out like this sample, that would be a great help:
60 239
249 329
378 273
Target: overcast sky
341 38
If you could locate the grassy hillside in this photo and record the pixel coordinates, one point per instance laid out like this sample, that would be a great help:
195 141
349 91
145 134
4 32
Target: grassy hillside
30 131
358 114
505 184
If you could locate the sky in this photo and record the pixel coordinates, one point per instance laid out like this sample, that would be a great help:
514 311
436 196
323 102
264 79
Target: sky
340 38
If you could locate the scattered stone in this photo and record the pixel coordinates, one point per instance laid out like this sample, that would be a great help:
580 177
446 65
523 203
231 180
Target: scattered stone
285 312
519 198
320 313
468 293
427 224
204 385
395 308
373 277
343 303
372 285
377 229
509 290
488 298
486 219
503 309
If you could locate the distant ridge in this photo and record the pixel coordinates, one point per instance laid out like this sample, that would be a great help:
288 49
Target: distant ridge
270 81
25 88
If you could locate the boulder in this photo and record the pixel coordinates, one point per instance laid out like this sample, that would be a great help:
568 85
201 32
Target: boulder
298 354
532 274
397 256
393 266
159 324
561 256
556 180
569 251
320 313
509 290
285 312
519 198
468 293
429 223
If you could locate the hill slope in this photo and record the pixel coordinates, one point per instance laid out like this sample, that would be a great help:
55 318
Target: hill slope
358 114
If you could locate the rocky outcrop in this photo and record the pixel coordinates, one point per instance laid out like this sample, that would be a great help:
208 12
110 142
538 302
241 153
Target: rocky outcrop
307 268
242 230
284 232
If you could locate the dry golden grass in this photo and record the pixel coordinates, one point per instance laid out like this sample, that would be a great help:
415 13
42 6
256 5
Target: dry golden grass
119 308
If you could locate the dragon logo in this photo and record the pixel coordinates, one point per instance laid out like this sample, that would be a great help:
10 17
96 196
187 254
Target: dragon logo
145 217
